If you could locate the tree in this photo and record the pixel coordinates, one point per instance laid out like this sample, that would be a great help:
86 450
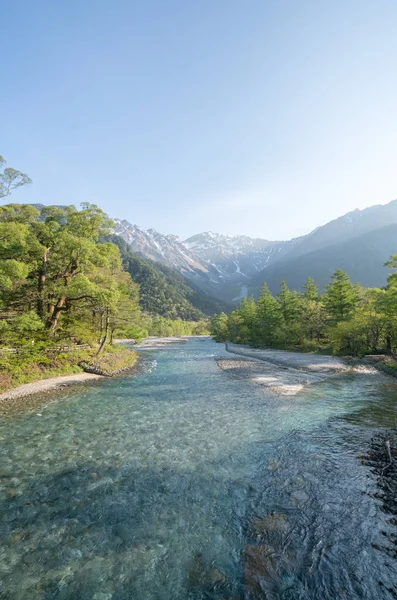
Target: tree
387 303
11 179
53 264
236 328
247 312
340 298
290 303
310 290
314 320
268 318
219 327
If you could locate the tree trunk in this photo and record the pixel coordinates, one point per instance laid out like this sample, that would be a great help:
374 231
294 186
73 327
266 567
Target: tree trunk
52 322
105 337
41 286
101 328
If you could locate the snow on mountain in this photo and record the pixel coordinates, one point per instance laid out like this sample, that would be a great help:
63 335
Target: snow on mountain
209 244
236 257
166 249
207 258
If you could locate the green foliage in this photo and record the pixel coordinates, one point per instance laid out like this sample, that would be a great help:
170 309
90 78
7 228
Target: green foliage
36 362
219 327
39 362
290 303
268 319
346 318
52 265
10 179
60 285
310 290
163 327
340 297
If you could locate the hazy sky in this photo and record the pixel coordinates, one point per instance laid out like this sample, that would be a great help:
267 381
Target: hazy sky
260 117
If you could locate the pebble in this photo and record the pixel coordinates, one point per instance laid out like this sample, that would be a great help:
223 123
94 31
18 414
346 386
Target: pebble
75 553
301 496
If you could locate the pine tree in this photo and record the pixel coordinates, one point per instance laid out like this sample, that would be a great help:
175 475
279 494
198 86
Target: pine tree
340 298
247 312
310 291
268 317
290 303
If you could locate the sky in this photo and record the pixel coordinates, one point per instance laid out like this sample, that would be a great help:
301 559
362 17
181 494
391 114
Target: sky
260 117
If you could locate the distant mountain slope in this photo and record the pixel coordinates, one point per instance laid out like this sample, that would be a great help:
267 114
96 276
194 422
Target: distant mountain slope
165 292
206 258
236 257
362 257
229 267
350 225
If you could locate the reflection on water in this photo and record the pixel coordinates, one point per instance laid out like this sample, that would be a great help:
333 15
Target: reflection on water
185 482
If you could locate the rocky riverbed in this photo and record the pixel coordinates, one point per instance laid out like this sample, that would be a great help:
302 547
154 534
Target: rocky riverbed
306 361
164 342
281 381
284 373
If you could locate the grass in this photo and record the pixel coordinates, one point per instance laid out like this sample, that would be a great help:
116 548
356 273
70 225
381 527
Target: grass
115 359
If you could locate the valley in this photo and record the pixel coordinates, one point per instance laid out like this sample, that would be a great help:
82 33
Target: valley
231 267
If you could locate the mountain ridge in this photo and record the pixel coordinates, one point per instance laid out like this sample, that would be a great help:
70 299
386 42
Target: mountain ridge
231 266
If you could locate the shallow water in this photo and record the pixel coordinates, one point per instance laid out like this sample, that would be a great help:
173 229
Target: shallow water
186 482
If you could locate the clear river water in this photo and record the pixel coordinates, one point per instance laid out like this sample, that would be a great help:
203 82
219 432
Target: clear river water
181 481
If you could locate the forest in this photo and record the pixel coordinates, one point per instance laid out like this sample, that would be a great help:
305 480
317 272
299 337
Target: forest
346 319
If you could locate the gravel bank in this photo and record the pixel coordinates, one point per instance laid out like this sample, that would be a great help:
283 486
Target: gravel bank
282 373
315 363
279 380
163 342
11 397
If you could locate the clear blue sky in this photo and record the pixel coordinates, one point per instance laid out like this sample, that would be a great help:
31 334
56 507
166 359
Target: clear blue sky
260 117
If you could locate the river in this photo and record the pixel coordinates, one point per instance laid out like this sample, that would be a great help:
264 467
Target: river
183 482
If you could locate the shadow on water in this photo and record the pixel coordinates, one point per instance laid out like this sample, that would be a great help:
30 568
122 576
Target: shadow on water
300 529
89 530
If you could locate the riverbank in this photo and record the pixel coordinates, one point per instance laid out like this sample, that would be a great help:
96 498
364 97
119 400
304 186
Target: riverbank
314 363
18 385
21 395
283 373
24 379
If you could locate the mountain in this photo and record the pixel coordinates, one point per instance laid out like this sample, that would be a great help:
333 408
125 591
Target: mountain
359 243
219 265
171 252
236 257
166 249
362 257
352 224
163 291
